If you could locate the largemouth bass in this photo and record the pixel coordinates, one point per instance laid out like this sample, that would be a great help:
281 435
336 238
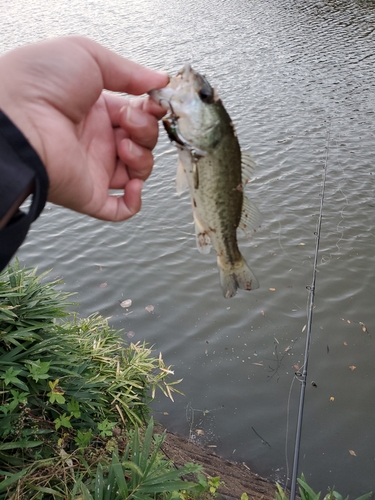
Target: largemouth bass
212 167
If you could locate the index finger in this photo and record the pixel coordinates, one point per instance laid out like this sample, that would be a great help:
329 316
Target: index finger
122 75
116 104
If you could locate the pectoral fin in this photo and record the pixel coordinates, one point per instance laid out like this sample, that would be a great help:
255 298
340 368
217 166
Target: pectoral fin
181 179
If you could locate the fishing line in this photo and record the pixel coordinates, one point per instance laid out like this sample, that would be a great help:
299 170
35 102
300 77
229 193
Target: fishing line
303 376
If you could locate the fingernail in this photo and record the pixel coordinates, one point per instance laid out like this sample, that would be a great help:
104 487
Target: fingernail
134 149
164 74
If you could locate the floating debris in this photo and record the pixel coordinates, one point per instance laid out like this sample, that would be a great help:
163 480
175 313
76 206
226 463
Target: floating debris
364 328
126 303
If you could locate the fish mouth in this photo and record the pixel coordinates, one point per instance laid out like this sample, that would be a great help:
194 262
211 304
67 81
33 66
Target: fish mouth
186 72
170 125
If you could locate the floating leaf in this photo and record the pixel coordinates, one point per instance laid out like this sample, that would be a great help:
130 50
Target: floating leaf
314 384
304 328
150 309
331 398
353 453
103 285
99 266
348 321
262 313
352 368
200 432
301 244
126 303
345 343
258 364
272 289
130 335
363 327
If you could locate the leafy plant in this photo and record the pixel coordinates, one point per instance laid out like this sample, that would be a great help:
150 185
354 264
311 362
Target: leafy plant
307 493
141 472
208 484
66 383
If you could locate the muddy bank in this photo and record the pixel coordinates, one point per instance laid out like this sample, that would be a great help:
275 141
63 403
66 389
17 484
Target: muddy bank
238 478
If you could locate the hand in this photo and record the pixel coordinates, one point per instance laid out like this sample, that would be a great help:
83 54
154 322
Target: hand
90 141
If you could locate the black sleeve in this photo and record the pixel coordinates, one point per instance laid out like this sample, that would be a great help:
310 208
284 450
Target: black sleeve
20 166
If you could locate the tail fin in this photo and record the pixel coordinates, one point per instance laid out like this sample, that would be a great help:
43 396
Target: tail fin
237 276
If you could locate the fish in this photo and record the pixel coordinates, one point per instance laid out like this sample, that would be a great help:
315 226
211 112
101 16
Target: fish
213 168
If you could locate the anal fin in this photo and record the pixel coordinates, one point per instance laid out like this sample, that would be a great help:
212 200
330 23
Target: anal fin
250 217
248 167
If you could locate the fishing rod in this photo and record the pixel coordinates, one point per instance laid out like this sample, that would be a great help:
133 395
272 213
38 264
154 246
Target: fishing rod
303 376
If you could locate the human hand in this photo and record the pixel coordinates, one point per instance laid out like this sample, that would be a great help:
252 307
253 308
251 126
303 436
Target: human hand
90 141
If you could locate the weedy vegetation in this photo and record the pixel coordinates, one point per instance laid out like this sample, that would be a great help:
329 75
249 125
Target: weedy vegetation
307 493
74 401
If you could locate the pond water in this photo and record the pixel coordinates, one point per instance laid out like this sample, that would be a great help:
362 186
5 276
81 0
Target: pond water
288 72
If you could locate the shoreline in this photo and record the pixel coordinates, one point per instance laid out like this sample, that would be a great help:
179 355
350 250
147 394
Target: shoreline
238 478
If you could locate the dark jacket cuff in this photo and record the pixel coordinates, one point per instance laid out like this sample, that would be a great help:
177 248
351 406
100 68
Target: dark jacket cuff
20 166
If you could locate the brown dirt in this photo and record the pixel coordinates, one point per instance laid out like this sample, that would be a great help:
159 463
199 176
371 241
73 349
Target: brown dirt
237 478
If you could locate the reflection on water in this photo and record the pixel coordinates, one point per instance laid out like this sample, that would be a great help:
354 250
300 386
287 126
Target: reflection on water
286 70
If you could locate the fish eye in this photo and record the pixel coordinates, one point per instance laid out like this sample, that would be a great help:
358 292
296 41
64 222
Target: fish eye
206 94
